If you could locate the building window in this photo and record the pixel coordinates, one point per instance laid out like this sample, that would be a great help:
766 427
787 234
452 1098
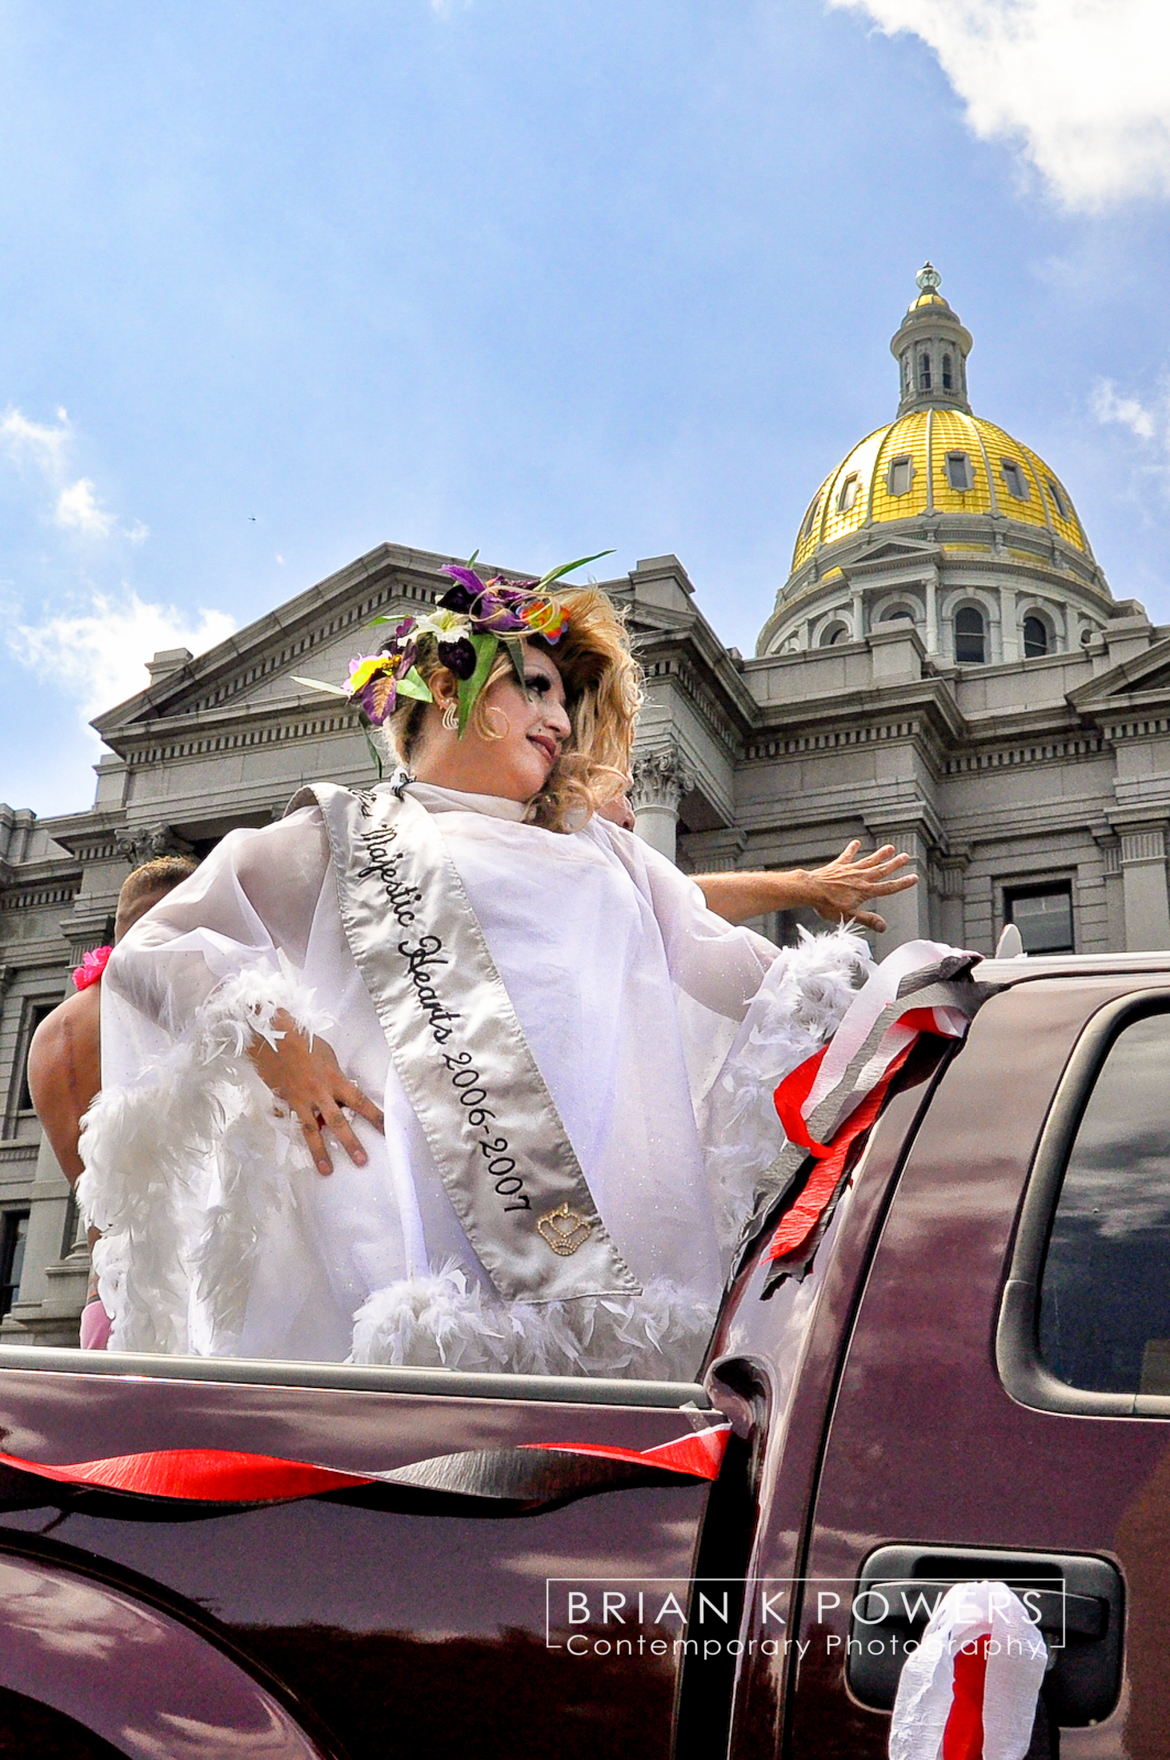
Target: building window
13 1235
20 1098
1015 479
905 372
959 474
1043 915
970 637
901 474
834 633
924 372
847 499
1036 638
948 373
810 520
897 614
1057 497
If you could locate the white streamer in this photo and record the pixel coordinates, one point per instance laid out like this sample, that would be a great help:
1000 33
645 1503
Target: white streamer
1016 1659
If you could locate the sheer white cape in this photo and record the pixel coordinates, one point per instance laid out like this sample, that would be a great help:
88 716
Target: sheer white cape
660 1031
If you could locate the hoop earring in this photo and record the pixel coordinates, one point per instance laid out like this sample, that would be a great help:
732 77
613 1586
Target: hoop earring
450 716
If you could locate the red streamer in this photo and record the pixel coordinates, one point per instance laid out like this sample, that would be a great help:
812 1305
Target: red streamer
790 1097
798 1223
963 1735
199 1475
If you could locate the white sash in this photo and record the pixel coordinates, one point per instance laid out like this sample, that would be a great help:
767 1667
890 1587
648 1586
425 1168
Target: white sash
504 1155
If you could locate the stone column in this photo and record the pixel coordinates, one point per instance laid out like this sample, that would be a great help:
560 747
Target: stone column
56 1269
1011 646
1143 880
907 913
931 585
949 890
661 778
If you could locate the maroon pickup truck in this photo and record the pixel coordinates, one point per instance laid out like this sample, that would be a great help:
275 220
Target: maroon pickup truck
970 1379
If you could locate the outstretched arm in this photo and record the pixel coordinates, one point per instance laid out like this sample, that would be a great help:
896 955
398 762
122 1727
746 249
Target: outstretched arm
839 891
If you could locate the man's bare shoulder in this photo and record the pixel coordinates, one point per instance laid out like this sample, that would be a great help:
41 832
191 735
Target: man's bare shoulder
65 1052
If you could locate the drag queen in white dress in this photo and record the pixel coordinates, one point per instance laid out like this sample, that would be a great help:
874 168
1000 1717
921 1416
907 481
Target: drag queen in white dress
452 1071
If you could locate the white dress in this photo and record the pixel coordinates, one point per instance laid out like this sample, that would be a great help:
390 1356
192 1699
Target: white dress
659 1030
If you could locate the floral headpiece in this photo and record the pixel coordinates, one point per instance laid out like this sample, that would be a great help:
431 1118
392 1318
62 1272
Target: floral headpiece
471 622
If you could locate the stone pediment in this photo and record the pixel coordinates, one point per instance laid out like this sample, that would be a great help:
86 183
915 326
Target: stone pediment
891 553
1144 677
314 634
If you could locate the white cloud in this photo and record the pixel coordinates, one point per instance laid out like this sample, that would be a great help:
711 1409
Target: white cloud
1082 85
78 510
31 442
47 450
99 656
1128 412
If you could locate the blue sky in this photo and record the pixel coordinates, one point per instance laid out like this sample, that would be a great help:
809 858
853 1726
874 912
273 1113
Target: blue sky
281 280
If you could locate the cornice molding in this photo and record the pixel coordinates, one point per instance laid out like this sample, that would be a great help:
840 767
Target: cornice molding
57 891
165 743
696 644
1051 751
882 704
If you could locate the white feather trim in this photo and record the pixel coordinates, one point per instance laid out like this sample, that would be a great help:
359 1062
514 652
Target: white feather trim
450 1321
247 1004
800 1004
184 1167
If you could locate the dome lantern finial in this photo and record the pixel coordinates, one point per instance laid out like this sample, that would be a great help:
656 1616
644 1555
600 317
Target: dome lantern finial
931 347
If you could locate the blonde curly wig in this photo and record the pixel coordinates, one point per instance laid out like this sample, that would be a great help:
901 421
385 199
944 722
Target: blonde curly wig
603 693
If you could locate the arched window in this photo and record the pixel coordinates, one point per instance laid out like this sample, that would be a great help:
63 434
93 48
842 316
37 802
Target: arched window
897 614
924 372
901 474
1058 500
905 372
1015 479
948 373
970 637
847 498
832 634
810 520
959 475
1036 637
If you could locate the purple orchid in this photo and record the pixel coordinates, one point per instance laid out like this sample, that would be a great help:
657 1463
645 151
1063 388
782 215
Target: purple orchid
373 680
459 656
489 604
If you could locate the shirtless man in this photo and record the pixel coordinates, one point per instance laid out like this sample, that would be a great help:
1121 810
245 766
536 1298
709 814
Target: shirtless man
64 1059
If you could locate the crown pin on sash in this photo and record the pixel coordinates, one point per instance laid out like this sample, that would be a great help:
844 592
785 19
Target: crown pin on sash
565 1230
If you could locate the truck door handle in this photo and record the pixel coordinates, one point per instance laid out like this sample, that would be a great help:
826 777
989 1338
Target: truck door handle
1076 1601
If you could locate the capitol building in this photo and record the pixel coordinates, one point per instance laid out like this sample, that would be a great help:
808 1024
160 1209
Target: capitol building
945 668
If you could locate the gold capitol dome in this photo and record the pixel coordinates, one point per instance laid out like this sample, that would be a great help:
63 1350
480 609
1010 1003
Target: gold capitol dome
992 514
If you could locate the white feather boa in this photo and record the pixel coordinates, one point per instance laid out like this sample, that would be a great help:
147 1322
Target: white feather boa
450 1321
185 1165
800 1005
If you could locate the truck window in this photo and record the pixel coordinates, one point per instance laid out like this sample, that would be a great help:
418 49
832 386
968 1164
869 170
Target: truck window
1104 1319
